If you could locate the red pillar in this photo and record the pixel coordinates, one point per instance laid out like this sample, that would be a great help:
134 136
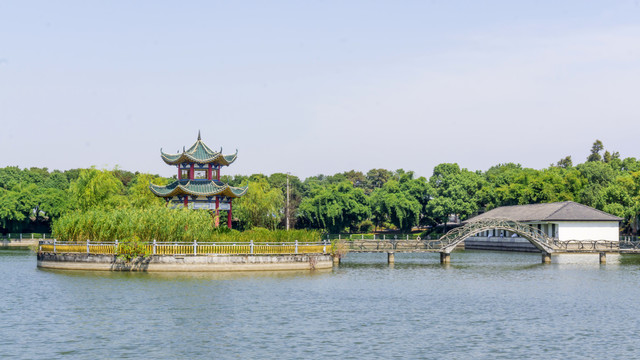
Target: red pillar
191 172
218 173
229 215
217 212
209 173
186 201
179 173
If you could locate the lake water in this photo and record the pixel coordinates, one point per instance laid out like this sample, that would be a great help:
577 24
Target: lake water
485 305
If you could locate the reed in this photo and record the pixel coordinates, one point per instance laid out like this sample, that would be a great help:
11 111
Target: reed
163 225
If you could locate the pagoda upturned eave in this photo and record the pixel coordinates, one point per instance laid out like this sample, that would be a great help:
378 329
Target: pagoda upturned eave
197 188
199 153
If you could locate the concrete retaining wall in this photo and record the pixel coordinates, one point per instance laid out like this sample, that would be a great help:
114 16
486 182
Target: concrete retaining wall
18 244
499 244
77 261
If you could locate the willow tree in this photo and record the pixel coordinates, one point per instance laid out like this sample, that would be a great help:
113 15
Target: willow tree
334 207
261 206
96 188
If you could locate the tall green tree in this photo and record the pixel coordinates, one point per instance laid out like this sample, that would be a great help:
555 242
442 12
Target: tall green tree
138 193
334 207
454 192
395 203
376 178
96 188
261 206
596 148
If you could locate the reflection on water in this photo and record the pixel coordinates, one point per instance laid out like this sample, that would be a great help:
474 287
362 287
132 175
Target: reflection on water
187 276
496 305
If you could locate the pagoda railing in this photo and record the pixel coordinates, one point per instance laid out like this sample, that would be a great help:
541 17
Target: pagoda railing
189 248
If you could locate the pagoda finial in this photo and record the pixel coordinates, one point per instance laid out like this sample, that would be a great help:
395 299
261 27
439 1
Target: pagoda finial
199 135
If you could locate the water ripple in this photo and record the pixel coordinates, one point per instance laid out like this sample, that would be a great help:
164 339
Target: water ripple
485 305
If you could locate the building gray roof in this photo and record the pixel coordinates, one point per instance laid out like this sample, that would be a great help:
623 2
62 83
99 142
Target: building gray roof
558 211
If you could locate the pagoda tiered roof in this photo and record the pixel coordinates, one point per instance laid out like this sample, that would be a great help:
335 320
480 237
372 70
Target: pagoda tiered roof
199 153
199 187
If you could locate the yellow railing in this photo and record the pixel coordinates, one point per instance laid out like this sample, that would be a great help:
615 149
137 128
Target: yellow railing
189 248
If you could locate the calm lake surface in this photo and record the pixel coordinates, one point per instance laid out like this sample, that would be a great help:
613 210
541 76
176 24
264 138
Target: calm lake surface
485 305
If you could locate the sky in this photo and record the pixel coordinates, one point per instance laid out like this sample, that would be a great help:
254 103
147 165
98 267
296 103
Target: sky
317 87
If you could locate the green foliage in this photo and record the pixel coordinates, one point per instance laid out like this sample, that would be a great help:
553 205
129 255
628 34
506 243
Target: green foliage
334 207
138 194
399 202
595 151
163 225
10 176
454 192
31 199
131 248
261 206
96 188
565 163
296 193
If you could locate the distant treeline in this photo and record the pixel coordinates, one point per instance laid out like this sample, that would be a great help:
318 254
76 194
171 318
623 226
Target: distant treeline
30 199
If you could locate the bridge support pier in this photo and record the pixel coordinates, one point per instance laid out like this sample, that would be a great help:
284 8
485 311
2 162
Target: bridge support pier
445 258
546 258
603 258
391 259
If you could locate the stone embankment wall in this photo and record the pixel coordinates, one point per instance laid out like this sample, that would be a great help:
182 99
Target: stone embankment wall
78 261
499 244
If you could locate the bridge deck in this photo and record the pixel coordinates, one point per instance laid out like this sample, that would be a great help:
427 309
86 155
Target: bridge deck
432 246
396 251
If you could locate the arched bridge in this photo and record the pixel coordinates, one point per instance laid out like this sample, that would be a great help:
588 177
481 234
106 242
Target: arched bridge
538 238
447 243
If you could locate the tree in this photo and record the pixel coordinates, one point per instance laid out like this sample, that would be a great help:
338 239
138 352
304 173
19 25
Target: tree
96 188
597 175
453 192
10 176
138 193
16 205
335 207
630 164
622 198
595 151
261 206
53 202
124 176
57 180
376 178
356 178
396 204
565 163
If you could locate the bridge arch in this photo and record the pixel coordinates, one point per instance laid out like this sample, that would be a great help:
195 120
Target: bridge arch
535 236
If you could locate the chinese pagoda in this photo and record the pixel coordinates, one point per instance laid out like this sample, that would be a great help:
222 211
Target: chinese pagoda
198 185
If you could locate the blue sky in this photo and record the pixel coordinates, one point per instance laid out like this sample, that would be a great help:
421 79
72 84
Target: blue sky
317 86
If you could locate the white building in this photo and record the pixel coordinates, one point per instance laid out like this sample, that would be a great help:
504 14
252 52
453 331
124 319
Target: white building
564 221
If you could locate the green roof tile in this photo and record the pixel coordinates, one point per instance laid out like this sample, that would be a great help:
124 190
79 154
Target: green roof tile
199 153
197 188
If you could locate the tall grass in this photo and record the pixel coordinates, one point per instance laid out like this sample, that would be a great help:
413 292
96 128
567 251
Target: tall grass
163 225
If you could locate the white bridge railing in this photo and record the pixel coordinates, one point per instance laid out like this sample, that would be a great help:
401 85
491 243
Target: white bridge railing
185 248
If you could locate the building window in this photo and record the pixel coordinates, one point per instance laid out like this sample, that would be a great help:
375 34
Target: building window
200 174
184 173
